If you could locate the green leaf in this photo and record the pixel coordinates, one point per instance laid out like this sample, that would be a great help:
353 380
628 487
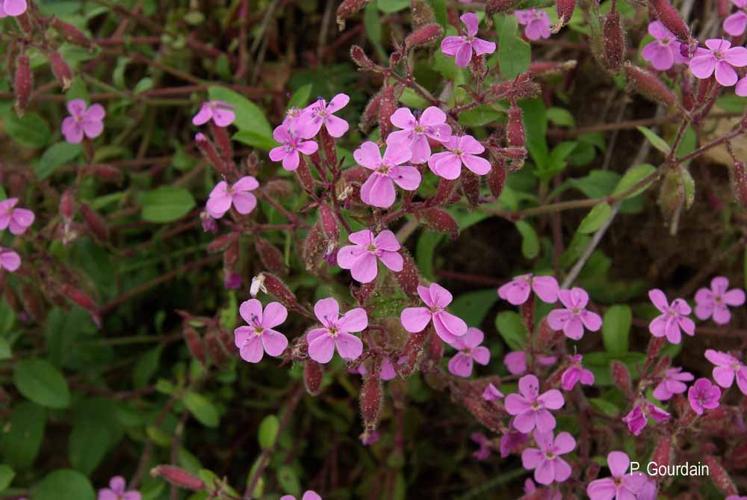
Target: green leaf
616 329
439 9
595 219
479 116
425 250
599 364
166 204
248 115
511 327
146 366
561 117
300 97
42 383
64 484
390 6
535 124
255 139
6 476
514 54
268 431
202 409
606 407
95 431
5 352
633 176
30 130
55 156
472 307
22 438
412 99
288 480
529 240
655 140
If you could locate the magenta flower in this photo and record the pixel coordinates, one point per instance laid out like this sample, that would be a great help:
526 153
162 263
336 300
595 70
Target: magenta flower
9 260
621 486
664 51
491 393
462 47
220 112
575 316
517 291
672 383
292 142
461 150
416 132
703 395
386 370
470 351
15 219
741 88
361 257
436 298
714 302
736 23
637 418
378 190
511 441
12 8
308 495
238 194
485 447
719 57
530 408
673 319
320 113
336 332
727 369
117 491
536 23
259 337
83 121
575 373
545 460
516 362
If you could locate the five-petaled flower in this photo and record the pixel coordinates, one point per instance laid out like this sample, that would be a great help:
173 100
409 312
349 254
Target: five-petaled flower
736 23
536 23
237 194
530 408
292 142
575 317
12 8
378 189
470 352
416 132
436 298
727 369
462 47
461 151
9 260
545 459
575 373
117 490
259 337
336 332
673 320
517 291
83 121
622 485
720 58
15 219
714 302
220 112
637 418
703 395
361 257
672 383
320 113
664 51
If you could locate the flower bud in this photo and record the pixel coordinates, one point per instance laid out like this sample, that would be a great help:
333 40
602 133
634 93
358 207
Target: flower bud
439 220
515 135
498 6
565 10
614 42
521 87
70 33
371 398
95 223
221 243
723 7
421 13
312 377
23 83
719 476
497 177
329 222
220 135
649 85
105 172
271 257
408 278
359 57
549 68
194 343
60 69
662 454
370 113
314 248
67 204
347 9
621 376
276 287
215 347
424 36
670 18
411 353
211 154
303 174
178 477
471 187
387 108
739 182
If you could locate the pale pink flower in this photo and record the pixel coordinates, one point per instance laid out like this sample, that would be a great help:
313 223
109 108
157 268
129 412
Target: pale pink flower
720 58
470 351
673 319
461 151
15 219
715 302
378 189
516 361
361 257
335 332
517 291
545 459
664 51
736 23
220 112
259 337
536 23
485 447
292 143
741 88
436 298
575 373
308 495
530 408
727 369
12 8
462 47
511 441
9 260
237 194
320 113
575 317
83 121
703 395
672 383
386 370
416 132
491 393
622 485
117 490
637 418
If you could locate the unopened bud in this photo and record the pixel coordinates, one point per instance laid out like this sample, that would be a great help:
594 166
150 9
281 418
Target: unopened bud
23 83
370 113
439 220
649 85
194 343
313 374
95 223
67 204
220 135
471 187
739 182
387 108
621 376
614 42
408 278
497 178
105 172
178 477
70 33
359 57
515 135
671 19
565 10
329 222
498 6
60 69
662 454
276 287
411 353
719 476
347 9
371 399
222 242
271 257
211 154
424 36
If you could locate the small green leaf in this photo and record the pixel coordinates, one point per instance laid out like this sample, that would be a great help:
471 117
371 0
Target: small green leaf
655 140
514 54
42 383
6 476
5 352
561 117
268 431
30 130
633 176
166 204
472 307
595 219
255 139
529 240
300 97
249 116
55 156
511 327
616 329
412 99
63 484
23 437
479 116
146 366
390 6
202 409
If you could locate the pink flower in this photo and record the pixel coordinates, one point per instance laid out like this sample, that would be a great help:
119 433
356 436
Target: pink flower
485 447
461 150
436 298
736 23
416 132
12 8
378 190
530 408
320 113
469 350
714 302
536 22
545 460
517 291
673 318
336 332
575 373
291 144
575 316
516 361
462 47
9 260
491 393
727 369
83 121
17 219
386 370
361 257
664 51
259 337
672 383
238 194
308 495
720 57
511 441
220 112
116 491
531 492
703 395
741 88
637 418
620 486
